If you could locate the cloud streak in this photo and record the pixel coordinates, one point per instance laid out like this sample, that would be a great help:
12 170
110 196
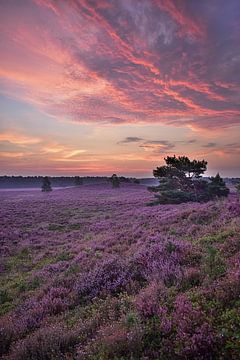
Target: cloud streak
151 61
130 139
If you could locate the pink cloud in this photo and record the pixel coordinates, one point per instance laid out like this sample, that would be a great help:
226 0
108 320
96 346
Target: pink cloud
97 63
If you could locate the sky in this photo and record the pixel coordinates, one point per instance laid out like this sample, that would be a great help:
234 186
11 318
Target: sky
95 87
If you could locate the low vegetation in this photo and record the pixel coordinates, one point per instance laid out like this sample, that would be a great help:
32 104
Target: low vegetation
95 273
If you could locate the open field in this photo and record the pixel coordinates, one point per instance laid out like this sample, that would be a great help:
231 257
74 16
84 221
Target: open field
94 273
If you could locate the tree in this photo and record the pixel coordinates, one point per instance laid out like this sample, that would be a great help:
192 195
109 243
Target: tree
46 184
180 181
217 187
192 169
115 181
78 181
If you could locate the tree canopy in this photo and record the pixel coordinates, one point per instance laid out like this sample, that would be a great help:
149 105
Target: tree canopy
182 164
46 184
181 181
115 181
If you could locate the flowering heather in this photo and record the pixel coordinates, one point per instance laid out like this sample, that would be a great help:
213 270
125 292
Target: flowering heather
93 272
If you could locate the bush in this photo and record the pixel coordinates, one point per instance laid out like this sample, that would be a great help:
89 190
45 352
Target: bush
109 276
174 197
46 185
217 187
46 344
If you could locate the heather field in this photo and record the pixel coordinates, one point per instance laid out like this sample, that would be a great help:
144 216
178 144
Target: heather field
95 273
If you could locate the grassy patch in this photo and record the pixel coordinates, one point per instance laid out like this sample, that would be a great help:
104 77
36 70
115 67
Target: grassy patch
56 227
64 256
213 263
219 237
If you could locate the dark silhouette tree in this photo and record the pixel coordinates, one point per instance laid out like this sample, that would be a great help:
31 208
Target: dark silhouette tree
217 187
115 181
180 181
46 184
78 181
192 169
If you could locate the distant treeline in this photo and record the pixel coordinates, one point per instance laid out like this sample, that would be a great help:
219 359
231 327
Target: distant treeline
7 182
56 181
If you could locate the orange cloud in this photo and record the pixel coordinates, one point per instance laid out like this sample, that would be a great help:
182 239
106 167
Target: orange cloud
19 139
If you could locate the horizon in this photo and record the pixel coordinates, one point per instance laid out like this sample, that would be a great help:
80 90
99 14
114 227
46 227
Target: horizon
92 88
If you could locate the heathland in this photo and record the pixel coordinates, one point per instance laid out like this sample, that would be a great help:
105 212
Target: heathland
93 272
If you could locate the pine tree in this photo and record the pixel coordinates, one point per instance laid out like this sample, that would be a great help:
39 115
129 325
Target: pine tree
217 187
115 181
78 181
46 184
180 181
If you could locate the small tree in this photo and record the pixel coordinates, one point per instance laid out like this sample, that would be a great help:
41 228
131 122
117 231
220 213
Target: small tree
46 184
115 181
78 181
217 187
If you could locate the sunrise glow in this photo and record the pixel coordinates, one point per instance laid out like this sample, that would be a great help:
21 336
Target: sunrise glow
96 87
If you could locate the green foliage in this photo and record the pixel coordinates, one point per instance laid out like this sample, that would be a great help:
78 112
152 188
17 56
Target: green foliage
64 256
230 323
170 247
35 283
174 197
217 187
131 320
219 237
194 168
180 182
46 184
4 296
213 263
168 171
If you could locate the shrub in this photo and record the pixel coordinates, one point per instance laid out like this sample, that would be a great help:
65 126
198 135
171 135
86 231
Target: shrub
115 181
46 344
217 187
46 185
116 342
109 276
213 263
147 301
